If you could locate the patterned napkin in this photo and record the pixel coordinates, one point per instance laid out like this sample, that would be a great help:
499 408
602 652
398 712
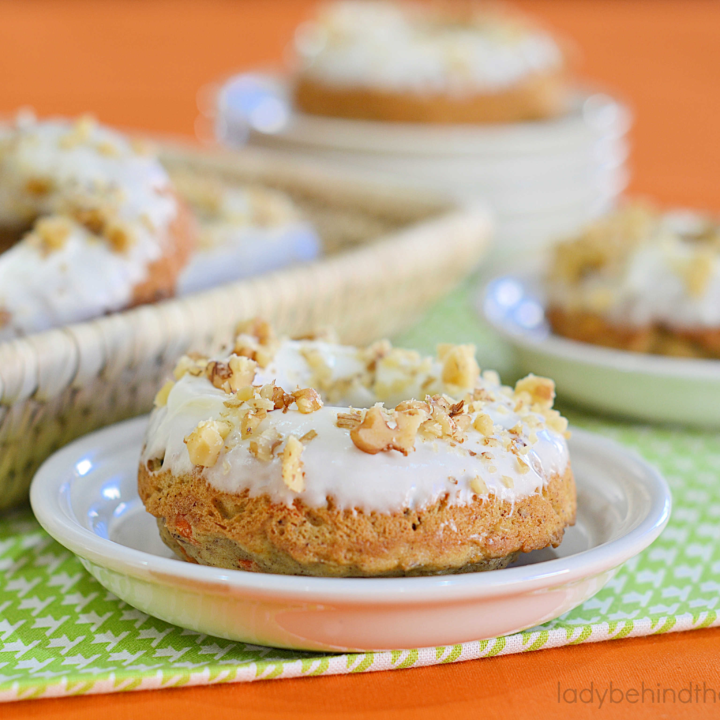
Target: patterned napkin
62 633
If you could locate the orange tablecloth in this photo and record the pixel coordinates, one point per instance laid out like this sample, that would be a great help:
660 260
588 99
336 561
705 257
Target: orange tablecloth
140 63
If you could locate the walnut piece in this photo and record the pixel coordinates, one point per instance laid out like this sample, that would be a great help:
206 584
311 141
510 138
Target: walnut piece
38 186
483 424
264 445
307 400
119 235
238 372
293 474
251 422
349 420
478 486
53 232
459 365
205 443
256 340
374 435
190 364
540 389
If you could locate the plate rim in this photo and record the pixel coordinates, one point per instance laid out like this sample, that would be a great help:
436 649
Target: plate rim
304 128
386 591
625 361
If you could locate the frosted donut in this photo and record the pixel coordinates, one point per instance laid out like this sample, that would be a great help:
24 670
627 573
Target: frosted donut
458 62
640 280
242 231
261 461
90 225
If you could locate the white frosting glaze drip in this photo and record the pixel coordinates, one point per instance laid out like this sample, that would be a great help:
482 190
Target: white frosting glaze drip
392 47
653 283
334 467
85 276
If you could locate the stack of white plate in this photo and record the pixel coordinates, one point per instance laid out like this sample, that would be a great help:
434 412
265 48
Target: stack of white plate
541 179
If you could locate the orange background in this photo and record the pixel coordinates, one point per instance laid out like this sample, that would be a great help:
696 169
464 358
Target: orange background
140 63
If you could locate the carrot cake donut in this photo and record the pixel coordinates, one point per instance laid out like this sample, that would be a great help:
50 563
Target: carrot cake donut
452 62
640 280
312 458
242 231
89 225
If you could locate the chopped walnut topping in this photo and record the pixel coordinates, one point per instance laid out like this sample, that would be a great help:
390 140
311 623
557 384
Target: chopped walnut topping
237 373
372 353
218 373
119 236
190 364
374 435
108 148
441 423
556 422
162 396
281 399
257 328
522 466
307 400
250 422
462 423
256 340
205 443
540 389
263 446
240 397
349 420
91 218
605 244
322 372
460 368
80 133
478 486
323 334
53 232
483 424
293 474
258 402
507 481
38 186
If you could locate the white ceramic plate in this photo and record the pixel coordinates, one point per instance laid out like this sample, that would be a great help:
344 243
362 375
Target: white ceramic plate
259 103
85 496
634 385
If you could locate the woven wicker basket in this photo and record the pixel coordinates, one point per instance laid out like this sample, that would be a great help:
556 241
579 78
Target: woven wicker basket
390 251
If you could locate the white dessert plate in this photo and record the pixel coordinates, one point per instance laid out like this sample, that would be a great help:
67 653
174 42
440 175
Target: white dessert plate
260 103
86 497
634 385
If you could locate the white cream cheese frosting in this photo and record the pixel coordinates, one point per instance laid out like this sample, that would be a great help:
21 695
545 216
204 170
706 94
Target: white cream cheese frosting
404 47
97 213
639 267
510 446
242 231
